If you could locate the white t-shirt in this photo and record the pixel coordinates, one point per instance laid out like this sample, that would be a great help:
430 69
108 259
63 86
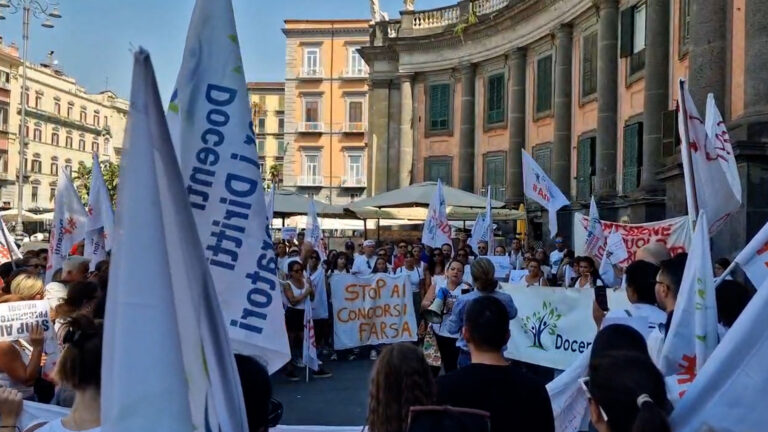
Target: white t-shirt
296 292
362 265
440 329
413 277
516 260
57 426
555 258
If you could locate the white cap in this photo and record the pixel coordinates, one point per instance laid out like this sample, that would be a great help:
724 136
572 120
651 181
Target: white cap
369 243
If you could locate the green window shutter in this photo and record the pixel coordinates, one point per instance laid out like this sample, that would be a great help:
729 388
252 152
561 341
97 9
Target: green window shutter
439 168
495 176
584 169
439 106
627 31
589 65
544 84
281 148
542 154
632 159
495 99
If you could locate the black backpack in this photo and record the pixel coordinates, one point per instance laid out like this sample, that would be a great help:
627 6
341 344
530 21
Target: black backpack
448 419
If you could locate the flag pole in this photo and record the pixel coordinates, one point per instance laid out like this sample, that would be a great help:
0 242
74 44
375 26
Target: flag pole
306 367
690 187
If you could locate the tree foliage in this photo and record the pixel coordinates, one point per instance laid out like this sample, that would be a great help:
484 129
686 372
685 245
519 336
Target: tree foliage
82 179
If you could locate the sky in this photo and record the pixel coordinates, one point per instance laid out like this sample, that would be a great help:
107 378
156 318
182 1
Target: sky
94 38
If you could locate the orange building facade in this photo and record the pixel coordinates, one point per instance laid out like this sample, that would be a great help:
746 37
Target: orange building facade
588 88
326 109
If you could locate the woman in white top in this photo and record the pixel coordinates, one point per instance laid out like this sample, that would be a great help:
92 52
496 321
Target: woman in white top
414 278
543 258
448 291
588 276
296 290
535 277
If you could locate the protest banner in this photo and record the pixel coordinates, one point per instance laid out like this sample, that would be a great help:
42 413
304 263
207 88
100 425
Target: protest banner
371 310
502 267
17 319
674 233
517 275
554 325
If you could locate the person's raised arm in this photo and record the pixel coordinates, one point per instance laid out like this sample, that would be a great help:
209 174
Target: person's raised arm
12 363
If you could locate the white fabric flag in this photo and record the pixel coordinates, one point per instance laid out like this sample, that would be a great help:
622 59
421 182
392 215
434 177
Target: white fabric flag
320 303
270 201
477 228
615 248
68 226
437 230
595 237
167 362
693 332
488 218
608 274
538 187
309 349
726 394
210 121
314 235
482 230
8 249
753 259
101 218
712 171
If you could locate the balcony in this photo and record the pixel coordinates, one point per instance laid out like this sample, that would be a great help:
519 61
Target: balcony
311 74
63 121
310 181
310 127
353 128
354 73
353 182
5 86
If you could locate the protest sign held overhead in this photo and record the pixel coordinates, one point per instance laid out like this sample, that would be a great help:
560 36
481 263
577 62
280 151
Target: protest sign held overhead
437 230
99 227
209 117
371 310
68 225
166 353
538 187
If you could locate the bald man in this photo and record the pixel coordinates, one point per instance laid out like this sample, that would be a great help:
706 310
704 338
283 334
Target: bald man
653 253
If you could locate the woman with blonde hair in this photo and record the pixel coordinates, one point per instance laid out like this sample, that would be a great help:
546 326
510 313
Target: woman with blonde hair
28 286
400 380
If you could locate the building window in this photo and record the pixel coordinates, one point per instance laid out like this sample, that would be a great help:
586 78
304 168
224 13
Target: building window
441 168
96 120
542 154
439 107
5 77
281 103
4 160
37 135
280 125
260 146
355 63
54 169
106 146
633 157
37 166
3 117
685 25
262 125
494 174
589 65
68 142
495 99
544 84
84 116
25 98
312 120
310 168
95 147
670 138
69 112
633 37
55 139
81 145
585 167
38 102
52 195
57 108
355 115
35 190
312 61
280 147
106 121
355 168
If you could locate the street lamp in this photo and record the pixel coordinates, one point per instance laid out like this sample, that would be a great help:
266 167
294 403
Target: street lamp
43 9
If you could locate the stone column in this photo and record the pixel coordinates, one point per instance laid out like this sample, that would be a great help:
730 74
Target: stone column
607 98
516 59
405 162
756 65
656 92
708 53
378 135
467 129
561 150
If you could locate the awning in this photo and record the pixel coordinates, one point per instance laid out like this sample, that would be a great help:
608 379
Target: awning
419 195
417 215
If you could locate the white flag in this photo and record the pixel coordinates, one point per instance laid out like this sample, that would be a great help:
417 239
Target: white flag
477 229
608 274
270 201
753 259
693 332
309 349
538 187
437 230
314 235
727 393
8 249
210 120
482 230
488 218
68 226
167 362
615 248
101 218
712 171
595 237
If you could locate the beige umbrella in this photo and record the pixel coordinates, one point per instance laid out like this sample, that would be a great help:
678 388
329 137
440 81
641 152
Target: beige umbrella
419 195
12 215
419 214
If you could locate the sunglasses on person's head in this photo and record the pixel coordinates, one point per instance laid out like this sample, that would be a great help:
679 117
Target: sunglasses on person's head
558 242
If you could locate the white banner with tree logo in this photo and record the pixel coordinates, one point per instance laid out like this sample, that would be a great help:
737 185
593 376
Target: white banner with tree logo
554 325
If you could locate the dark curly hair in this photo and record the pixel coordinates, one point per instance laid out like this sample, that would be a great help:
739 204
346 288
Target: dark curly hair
400 380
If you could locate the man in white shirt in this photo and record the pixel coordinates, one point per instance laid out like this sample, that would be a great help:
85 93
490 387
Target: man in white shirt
516 258
556 256
363 264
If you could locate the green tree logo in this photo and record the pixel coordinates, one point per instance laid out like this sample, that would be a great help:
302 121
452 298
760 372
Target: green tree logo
542 321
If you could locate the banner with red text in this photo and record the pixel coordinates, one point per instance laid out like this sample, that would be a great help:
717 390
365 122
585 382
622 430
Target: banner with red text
371 310
674 233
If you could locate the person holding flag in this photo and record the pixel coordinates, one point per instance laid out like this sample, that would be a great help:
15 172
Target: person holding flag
99 226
